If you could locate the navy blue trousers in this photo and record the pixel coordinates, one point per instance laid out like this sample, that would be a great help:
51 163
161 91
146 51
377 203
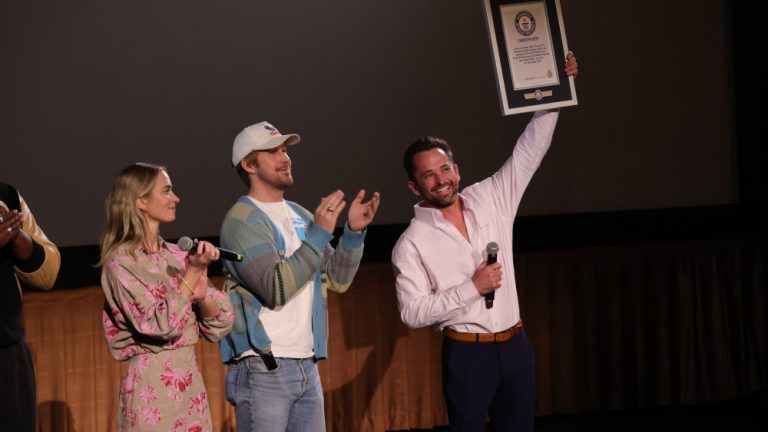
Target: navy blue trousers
489 378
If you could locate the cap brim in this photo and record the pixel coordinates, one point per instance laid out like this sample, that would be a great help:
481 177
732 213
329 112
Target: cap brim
289 139
245 147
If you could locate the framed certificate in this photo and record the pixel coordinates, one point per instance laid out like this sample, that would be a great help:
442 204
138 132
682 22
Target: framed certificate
529 47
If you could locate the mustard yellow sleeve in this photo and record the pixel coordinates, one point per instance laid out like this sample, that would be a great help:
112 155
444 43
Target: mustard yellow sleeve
44 265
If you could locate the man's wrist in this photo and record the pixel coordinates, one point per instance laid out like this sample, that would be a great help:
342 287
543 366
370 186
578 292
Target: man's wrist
357 231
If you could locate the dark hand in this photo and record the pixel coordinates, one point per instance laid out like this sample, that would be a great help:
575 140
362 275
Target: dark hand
10 226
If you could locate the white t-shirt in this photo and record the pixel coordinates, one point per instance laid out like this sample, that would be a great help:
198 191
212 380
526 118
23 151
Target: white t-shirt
288 326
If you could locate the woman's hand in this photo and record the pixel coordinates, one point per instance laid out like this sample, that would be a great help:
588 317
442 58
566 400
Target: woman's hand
195 280
205 253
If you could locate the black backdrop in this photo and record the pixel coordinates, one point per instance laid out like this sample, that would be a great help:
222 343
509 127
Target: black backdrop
90 86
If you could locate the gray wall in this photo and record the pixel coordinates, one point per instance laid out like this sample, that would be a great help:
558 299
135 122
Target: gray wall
87 87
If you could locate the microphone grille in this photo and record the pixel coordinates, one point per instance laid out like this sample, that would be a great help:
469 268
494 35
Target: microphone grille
492 248
185 243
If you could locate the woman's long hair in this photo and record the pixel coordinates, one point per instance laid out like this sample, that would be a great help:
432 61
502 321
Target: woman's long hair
126 224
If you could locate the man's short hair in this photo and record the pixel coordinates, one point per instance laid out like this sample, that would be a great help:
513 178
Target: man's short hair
251 159
423 144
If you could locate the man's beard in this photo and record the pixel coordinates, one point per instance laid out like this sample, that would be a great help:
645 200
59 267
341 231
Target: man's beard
441 203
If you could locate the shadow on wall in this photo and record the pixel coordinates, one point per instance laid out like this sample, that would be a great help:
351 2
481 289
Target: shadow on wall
54 416
370 327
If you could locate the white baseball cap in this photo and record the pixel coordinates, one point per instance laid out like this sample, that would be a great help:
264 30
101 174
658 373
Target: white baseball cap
261 136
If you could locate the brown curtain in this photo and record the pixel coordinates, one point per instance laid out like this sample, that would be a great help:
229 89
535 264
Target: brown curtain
612 327
627 327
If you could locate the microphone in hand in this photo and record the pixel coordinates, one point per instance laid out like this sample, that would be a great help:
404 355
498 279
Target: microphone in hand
187 244
492 250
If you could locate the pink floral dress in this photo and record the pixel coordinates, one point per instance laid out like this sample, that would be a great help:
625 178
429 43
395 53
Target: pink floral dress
149 322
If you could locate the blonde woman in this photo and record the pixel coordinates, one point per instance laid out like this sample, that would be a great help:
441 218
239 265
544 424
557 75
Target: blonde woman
158 302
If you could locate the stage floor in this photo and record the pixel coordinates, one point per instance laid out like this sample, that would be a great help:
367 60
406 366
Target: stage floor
745 414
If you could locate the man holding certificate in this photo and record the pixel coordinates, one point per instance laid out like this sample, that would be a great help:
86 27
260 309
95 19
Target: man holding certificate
453 269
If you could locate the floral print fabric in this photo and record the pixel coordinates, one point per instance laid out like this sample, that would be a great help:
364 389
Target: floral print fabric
148 321
163 392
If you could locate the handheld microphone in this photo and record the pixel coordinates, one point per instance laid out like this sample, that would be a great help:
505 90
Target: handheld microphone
187 244
492 250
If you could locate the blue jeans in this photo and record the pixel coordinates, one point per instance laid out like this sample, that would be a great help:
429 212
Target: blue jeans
287 399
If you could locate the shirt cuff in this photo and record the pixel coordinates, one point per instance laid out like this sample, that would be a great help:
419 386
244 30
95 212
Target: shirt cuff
351 239
467 293
318 237
35 260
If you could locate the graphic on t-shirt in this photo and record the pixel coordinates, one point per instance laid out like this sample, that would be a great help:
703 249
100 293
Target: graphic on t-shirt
300 227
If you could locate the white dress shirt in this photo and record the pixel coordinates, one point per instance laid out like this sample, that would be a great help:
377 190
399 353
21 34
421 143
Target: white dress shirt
434 263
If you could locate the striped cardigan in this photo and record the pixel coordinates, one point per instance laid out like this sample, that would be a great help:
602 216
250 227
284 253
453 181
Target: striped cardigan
266 277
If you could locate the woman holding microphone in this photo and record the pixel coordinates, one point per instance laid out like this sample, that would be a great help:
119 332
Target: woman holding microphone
158 303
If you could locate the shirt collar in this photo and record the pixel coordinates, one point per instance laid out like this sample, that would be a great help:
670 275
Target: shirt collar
162 243
433 216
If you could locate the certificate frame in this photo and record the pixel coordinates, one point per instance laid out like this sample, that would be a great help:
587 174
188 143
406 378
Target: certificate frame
529 46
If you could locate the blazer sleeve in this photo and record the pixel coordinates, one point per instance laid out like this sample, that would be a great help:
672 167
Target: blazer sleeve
41 269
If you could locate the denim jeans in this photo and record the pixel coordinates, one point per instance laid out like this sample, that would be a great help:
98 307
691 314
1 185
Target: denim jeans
286 399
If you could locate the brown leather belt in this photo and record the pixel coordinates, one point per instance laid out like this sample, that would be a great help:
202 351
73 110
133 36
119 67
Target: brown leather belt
485 337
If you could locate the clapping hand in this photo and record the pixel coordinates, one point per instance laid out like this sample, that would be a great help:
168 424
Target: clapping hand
361 213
